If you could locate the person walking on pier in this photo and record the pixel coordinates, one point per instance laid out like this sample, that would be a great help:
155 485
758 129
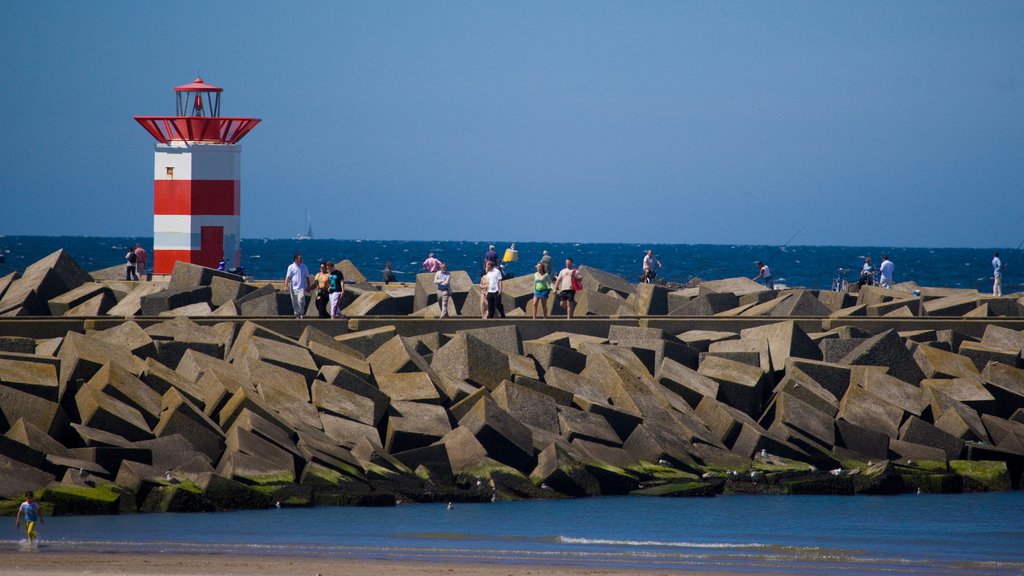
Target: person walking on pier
541 290
296 279
649 263
885 269
764 273
494 291
129 272
140 261
335 289
997 275
443 281
567 284
320 285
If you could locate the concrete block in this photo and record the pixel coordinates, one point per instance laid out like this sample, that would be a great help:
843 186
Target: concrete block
414 425
347 433
800 416
833 377
17 344
409 387
918 431
125 387
18 404
1005 338
981 355
186 276
468 358
860 407
908 398
548 355
366 342
154 304
396 355
1006 385
887 349
463 449
834 351
651 300
686 382
801 303
865 441
781 341
42 281
98 410
707 304
739 385
130 336
602 281
936 363
506 439
180 416
224 290
561 471
344 392
575 424
131 304
61 304
527 405
199 309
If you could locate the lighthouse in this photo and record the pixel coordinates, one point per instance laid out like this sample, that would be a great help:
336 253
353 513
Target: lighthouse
197 180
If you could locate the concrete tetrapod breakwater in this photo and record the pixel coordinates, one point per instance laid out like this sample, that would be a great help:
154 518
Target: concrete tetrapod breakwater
177 412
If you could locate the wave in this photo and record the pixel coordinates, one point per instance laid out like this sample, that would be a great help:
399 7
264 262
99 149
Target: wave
657 543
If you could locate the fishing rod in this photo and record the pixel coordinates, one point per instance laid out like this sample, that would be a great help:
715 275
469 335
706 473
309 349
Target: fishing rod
783 247
1014 255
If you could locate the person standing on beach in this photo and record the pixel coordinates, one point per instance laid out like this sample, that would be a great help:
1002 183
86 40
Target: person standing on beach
140 261
129 272
541 290
765 273
649 263
494 291
443 281
885 269
567 283
389 274
296 279
997 275
29 509
335 289
320 285
546 261
431 264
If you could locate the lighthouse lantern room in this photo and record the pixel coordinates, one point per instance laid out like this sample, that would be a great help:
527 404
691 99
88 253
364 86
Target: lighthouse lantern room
196 180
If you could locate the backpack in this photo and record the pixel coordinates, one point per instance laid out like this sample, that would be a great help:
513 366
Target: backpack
132 257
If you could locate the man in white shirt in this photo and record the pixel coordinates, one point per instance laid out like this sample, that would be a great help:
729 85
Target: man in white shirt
297 282
885 268
649 263
997 275
764 273
494 290
443 280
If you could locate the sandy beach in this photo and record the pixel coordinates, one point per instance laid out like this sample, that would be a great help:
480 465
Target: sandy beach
60 564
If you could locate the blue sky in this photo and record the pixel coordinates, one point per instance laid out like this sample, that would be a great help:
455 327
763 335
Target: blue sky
872 123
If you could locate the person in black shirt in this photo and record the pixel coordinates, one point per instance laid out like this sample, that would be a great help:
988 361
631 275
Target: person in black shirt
335 288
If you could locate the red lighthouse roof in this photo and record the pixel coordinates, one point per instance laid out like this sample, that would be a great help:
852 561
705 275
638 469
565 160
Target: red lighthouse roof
198 85
198 118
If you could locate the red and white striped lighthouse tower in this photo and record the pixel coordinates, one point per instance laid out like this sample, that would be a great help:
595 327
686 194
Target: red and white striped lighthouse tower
197 180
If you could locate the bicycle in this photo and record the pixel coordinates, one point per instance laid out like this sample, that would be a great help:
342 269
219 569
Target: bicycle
840 283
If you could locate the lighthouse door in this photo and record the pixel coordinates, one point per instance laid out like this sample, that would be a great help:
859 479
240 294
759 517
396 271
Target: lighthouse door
211 247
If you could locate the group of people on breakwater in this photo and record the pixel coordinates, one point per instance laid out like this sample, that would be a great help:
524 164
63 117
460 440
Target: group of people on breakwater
328 284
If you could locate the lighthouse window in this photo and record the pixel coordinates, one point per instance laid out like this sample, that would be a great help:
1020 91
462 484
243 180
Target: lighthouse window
170 172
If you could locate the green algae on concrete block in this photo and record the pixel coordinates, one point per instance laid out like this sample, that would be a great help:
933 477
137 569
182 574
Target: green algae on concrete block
83 500
682 490
175 498
982 475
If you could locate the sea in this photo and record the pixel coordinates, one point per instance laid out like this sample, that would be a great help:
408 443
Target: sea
813 267
964 534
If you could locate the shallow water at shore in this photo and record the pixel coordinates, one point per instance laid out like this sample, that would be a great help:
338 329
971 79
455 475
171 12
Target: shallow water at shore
926 534
808 266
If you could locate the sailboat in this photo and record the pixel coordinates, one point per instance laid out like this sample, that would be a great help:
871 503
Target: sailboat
309 230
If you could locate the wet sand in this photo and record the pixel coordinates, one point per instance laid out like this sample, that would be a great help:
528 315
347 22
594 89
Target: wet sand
43 563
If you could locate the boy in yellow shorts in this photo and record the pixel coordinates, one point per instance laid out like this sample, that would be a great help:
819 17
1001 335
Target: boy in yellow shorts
30 509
